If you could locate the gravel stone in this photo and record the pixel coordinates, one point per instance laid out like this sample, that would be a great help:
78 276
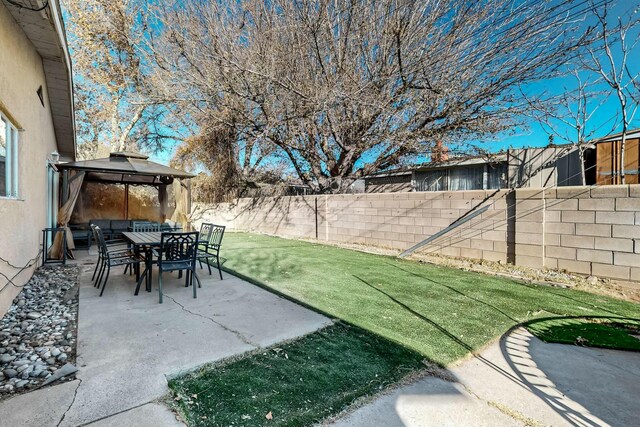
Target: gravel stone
5 358
10 373
44 314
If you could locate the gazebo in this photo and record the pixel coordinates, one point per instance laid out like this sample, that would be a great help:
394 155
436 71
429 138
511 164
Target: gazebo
121 168
125 168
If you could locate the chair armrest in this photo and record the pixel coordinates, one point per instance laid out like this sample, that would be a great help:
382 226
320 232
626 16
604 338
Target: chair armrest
116 242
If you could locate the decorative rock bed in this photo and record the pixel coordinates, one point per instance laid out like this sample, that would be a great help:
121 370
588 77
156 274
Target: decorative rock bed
38 333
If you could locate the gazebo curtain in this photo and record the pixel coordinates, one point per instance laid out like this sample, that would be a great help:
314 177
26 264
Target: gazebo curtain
64 215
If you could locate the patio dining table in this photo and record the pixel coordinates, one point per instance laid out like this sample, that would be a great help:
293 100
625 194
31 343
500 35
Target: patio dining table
144 241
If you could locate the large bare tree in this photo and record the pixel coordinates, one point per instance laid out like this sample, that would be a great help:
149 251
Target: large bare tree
345 88
114 110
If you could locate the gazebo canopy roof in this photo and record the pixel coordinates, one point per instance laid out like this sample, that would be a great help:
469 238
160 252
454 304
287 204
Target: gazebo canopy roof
126 168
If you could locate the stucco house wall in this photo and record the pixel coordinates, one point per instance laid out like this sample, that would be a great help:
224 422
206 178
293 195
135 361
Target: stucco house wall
21 220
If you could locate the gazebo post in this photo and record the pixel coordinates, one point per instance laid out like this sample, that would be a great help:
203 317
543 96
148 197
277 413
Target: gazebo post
65 186
188 204
126 201
162 198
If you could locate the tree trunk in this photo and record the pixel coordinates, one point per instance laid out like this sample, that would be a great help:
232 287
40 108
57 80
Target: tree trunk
623 144
583 175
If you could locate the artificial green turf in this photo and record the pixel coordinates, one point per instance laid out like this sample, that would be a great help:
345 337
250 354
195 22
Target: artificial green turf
599 332
442 313
298 383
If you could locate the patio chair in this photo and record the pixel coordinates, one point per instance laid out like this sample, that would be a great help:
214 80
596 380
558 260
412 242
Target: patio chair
114 259
211 246
178 253
119 226
115 248
145 226
105 226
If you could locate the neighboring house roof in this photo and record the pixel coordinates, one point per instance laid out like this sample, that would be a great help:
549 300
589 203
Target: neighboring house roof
631 134
45 30
452 162
125 168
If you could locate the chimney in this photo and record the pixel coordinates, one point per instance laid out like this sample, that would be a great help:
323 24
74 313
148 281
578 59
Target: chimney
439 152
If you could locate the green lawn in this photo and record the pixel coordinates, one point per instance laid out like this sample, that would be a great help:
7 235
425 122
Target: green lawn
598 332
440 312
297 383
403 312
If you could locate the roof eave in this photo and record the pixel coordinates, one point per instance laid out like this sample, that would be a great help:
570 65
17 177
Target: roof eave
65 141
45 30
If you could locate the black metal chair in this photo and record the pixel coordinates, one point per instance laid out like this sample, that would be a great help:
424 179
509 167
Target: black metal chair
119 226
113 259
105 226
115 248
178 253
210 247
145 226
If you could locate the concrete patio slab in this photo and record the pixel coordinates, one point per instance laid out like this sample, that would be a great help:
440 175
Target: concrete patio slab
557 384
129 345
520 380
429 402
149 415
40 408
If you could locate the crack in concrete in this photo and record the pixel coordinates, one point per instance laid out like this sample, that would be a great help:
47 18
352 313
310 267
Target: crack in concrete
117 413
226 328
75 394
506 410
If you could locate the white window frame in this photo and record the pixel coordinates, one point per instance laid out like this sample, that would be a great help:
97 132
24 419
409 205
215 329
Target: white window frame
12 171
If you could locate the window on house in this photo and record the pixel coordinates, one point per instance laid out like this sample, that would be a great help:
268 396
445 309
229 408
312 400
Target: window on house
434 180
496 176
467 178
8 158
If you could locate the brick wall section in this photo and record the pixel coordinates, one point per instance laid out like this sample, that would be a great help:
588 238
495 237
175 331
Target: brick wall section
391 220
579 229
594 230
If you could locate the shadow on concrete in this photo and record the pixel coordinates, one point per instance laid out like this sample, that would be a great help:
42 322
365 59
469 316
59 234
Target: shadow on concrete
589 387
572 386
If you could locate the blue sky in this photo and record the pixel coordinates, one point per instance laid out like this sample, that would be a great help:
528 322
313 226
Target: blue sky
603 120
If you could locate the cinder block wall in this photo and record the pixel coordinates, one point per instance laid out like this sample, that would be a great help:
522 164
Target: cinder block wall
579 229
401 220
594 230
390 220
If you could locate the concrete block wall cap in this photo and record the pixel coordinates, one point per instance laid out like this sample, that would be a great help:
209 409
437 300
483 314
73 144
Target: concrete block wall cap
573 192
634 190
453 195
529 193
609 191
